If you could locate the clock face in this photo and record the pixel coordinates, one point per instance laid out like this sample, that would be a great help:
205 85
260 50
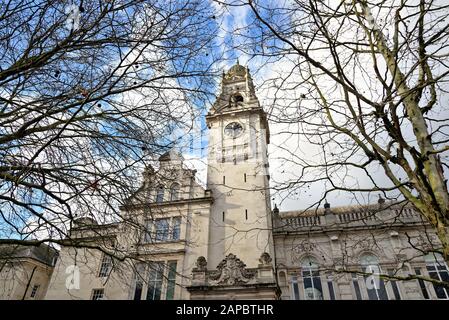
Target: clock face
233 129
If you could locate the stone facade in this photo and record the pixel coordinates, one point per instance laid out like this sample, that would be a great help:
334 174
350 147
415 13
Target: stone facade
226 242
25 271
338 240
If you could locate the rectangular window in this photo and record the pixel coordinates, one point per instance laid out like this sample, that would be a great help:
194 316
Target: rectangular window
149 232
223 214
34 291
394 286
422 285
171 280
160 194
244 177
138 290
106 266
355 283
176 228
295 288
97 294
162 229
155 281
224 180
375 286
139 279
438 271
312 284
330 286
246 214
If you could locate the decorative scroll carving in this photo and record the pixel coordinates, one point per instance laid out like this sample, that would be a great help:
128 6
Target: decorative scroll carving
230 271
305 247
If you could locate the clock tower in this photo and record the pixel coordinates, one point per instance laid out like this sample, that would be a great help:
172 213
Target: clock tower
240 220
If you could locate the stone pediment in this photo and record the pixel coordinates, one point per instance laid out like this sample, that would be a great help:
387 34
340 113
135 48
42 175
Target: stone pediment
230 271
233 278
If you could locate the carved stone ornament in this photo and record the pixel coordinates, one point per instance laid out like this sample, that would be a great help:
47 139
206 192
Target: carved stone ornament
265 259
201 263
230 271
366 244
304 247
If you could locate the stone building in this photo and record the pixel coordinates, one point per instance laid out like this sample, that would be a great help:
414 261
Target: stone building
25 271
178 240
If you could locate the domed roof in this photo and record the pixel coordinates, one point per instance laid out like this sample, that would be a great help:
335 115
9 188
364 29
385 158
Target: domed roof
236 70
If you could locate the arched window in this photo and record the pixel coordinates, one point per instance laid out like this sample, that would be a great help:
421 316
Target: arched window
311 278
375 286
174 192
236 99
438 270
160 194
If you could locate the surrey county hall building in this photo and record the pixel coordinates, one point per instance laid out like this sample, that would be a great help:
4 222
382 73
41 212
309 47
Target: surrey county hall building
225 241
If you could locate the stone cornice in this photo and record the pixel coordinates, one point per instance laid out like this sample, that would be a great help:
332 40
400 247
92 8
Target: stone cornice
166 203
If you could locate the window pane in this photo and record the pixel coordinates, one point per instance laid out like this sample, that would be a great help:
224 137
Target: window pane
312 287
444 276
97 294
372 293
106 266
394 286
422 285
355 283
34 291
160 194
171 281
318 290
311 278
375 288
162 229
148 232
139 279
306 273
330 286
295 288
174 192
437 270
138 291
382 291
155 281
368 260
439 290
307 283
176 233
